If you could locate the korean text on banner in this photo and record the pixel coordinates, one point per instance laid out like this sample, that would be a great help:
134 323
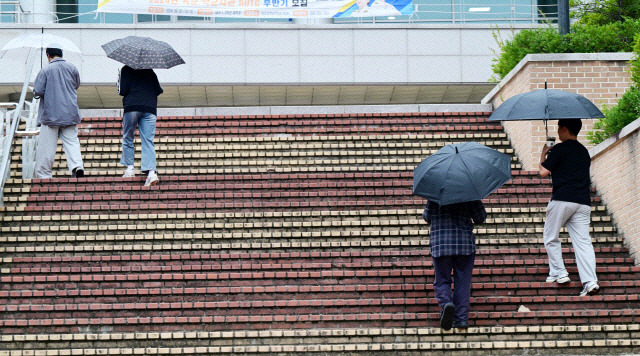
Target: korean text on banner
260 8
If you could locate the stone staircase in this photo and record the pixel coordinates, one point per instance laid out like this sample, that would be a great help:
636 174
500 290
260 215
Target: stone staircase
289 235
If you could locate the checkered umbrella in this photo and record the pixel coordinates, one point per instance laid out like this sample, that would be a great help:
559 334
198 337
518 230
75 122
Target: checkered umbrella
142 53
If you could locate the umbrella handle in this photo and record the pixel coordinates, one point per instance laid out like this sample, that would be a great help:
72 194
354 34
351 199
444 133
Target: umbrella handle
546 129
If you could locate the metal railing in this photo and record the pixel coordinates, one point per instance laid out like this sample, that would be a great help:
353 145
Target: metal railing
12 10
456 12
15 116
27 118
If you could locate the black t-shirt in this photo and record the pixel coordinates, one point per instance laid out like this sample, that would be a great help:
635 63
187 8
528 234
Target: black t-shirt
569 164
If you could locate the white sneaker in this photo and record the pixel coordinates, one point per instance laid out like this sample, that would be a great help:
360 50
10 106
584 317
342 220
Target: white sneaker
152 179
130 172
590 289
560 280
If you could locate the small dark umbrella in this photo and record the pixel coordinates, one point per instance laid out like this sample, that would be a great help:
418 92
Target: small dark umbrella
546 104
142 53
461 172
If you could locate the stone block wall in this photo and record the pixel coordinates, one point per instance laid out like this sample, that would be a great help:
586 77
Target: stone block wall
600 77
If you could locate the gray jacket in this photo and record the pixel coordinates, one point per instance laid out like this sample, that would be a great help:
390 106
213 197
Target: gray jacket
57 86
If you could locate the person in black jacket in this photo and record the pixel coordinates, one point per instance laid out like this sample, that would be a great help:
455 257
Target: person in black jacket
140 89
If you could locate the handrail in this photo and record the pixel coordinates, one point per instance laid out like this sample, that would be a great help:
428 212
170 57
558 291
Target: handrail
5 163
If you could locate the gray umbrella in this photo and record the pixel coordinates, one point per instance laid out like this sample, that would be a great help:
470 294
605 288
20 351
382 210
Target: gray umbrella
546 104
461 172
142 53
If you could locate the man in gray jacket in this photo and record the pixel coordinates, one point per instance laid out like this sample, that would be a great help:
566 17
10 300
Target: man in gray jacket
56 85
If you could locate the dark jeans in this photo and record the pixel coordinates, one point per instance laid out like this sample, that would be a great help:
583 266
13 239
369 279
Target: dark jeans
462 267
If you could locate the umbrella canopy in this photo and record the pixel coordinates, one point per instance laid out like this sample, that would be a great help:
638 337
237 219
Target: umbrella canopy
546 104
142 53
461 172
40 41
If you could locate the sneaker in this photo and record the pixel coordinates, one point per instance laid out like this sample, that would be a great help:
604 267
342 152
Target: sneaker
77 173
129 173
152 179
446 316
559 280
590 289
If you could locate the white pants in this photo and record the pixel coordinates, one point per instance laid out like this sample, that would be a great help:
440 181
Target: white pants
46 151
576 218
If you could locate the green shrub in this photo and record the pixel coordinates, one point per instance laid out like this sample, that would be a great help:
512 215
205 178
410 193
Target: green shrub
539 40
602 12
613 37
583 38
628 108
617 117
635 62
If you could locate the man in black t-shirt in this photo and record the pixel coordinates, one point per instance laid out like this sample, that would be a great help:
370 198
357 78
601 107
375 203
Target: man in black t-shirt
568 164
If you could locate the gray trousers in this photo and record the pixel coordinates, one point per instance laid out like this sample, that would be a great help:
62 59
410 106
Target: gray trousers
576 218
46 151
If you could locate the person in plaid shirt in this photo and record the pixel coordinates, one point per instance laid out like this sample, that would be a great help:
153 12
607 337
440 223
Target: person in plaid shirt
453 248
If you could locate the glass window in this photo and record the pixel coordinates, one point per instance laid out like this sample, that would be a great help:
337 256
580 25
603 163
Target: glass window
86 7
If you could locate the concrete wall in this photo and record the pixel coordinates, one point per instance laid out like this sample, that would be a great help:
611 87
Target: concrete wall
600 77
284 54
615 168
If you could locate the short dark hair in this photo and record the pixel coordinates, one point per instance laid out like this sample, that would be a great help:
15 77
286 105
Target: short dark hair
54 52
573 125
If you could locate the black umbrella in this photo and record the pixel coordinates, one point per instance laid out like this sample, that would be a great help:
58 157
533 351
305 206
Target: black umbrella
461 172
142 53
546 104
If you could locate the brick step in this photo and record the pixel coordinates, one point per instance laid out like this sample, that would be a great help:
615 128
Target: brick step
423 261
397 138
88 134
60 171
312 320
115 169
279 303
308 231
475 119
199 159
528 292
171 128
282 189
213 306
245 245
520 181
276 149
509 256
127 187
394 274
496 218
498 340
154 198
213 205
522 177
525 216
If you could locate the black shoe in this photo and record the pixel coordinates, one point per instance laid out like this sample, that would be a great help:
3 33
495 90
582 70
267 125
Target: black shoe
77 173
462 324
446 316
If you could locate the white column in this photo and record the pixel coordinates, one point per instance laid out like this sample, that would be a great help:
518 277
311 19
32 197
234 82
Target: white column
38 11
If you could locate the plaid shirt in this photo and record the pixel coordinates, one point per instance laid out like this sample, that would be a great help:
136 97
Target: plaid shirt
452 227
